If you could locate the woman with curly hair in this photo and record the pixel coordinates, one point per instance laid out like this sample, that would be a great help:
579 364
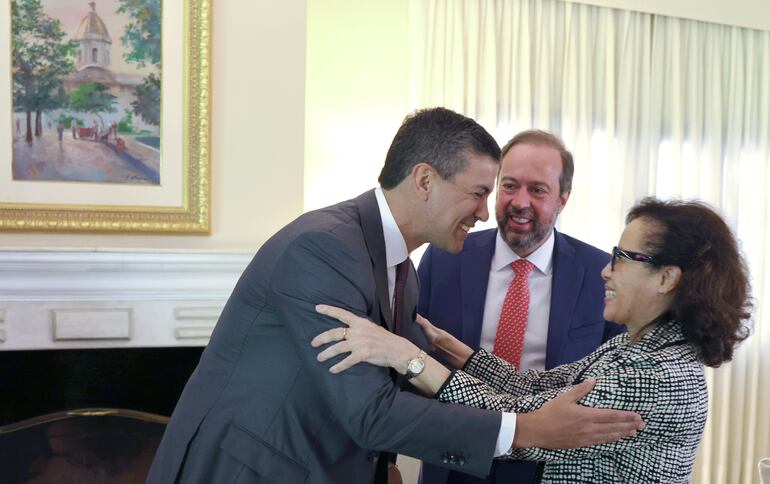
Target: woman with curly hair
678 283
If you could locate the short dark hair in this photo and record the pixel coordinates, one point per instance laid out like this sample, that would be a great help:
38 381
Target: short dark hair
540 137
713 299
439 137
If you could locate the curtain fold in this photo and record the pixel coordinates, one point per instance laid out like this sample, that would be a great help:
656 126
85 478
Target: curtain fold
649 105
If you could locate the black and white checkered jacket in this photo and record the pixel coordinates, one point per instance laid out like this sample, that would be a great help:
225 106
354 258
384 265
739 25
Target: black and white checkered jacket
660 377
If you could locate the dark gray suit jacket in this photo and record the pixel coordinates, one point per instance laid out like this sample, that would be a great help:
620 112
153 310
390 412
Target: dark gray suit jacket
260 408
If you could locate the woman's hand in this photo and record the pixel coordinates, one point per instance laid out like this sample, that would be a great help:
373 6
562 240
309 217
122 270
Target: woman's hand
364 340
432 333
452 350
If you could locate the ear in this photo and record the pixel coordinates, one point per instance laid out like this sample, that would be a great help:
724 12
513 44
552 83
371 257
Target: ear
422 179
563 197
669 278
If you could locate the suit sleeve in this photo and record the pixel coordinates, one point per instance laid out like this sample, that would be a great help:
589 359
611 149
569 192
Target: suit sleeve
320 268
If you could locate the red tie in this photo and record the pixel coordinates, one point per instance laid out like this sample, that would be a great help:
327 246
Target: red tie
509 340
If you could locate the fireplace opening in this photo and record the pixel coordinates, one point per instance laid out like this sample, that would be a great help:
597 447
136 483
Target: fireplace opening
39 382
87 415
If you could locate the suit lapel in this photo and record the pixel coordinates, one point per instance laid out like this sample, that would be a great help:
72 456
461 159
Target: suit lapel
371 225
475 263
568 275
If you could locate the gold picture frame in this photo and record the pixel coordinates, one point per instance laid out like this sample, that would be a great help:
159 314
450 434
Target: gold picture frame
192 215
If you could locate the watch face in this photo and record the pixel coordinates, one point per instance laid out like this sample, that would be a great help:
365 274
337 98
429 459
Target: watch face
416 365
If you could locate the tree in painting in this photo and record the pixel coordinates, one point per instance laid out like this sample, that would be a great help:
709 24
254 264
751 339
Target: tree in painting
147 104
92 98
143 36
41 56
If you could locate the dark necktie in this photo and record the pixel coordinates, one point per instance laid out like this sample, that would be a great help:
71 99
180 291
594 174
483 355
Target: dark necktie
402 274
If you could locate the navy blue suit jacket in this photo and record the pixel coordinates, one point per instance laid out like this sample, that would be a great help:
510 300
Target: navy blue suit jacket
452 294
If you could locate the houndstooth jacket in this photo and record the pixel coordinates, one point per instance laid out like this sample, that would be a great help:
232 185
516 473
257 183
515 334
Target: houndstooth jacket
660 377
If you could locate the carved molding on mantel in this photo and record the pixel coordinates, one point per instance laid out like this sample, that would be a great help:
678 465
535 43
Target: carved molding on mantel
66 299
64 275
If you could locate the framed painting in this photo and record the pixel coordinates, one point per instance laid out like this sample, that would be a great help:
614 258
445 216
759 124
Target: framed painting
107 124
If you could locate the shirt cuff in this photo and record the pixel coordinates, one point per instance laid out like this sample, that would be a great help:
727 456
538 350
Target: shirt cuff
506 435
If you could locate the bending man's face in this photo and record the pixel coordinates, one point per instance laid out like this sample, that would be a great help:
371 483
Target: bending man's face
455 206
528 198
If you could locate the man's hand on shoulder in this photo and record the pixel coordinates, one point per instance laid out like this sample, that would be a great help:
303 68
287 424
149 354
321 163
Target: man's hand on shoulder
563 423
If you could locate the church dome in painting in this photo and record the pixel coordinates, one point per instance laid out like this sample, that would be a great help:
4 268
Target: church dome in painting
93 41
92 27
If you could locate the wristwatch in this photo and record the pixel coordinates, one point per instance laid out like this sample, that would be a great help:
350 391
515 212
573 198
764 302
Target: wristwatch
415 366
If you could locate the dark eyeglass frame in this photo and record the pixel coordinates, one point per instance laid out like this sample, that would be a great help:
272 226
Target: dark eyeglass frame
633 256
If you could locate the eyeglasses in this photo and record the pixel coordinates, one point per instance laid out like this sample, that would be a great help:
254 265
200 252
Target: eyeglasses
634 256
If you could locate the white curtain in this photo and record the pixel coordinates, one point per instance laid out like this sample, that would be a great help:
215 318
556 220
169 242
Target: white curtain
649 105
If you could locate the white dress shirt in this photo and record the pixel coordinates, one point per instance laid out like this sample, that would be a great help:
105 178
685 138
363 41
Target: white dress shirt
395 245
395 253
539 281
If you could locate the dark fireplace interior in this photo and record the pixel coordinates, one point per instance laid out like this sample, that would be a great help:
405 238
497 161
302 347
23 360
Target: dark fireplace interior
43 439
34 383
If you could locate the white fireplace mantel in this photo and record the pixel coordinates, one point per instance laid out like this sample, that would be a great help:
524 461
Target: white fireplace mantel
63 299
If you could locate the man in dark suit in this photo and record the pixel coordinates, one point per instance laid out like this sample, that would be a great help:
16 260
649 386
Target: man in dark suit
464 293
259 408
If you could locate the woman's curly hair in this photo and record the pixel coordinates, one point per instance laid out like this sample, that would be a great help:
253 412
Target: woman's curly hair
713 300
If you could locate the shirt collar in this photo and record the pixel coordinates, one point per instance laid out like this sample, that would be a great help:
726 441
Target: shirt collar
542 258
395 245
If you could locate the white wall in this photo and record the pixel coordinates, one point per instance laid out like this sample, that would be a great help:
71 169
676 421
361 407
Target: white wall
357 59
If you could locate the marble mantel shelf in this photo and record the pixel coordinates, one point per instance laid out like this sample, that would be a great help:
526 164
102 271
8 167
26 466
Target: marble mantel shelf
68 299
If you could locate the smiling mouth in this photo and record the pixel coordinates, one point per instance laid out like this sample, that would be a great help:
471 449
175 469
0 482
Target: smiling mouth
520 220
609 293
465 227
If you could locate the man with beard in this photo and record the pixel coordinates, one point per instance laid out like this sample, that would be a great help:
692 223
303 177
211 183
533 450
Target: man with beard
554 315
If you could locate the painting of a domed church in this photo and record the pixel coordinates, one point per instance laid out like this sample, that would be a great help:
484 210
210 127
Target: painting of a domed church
86 90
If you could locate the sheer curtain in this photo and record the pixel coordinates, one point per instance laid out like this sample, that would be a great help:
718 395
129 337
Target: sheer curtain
649 105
